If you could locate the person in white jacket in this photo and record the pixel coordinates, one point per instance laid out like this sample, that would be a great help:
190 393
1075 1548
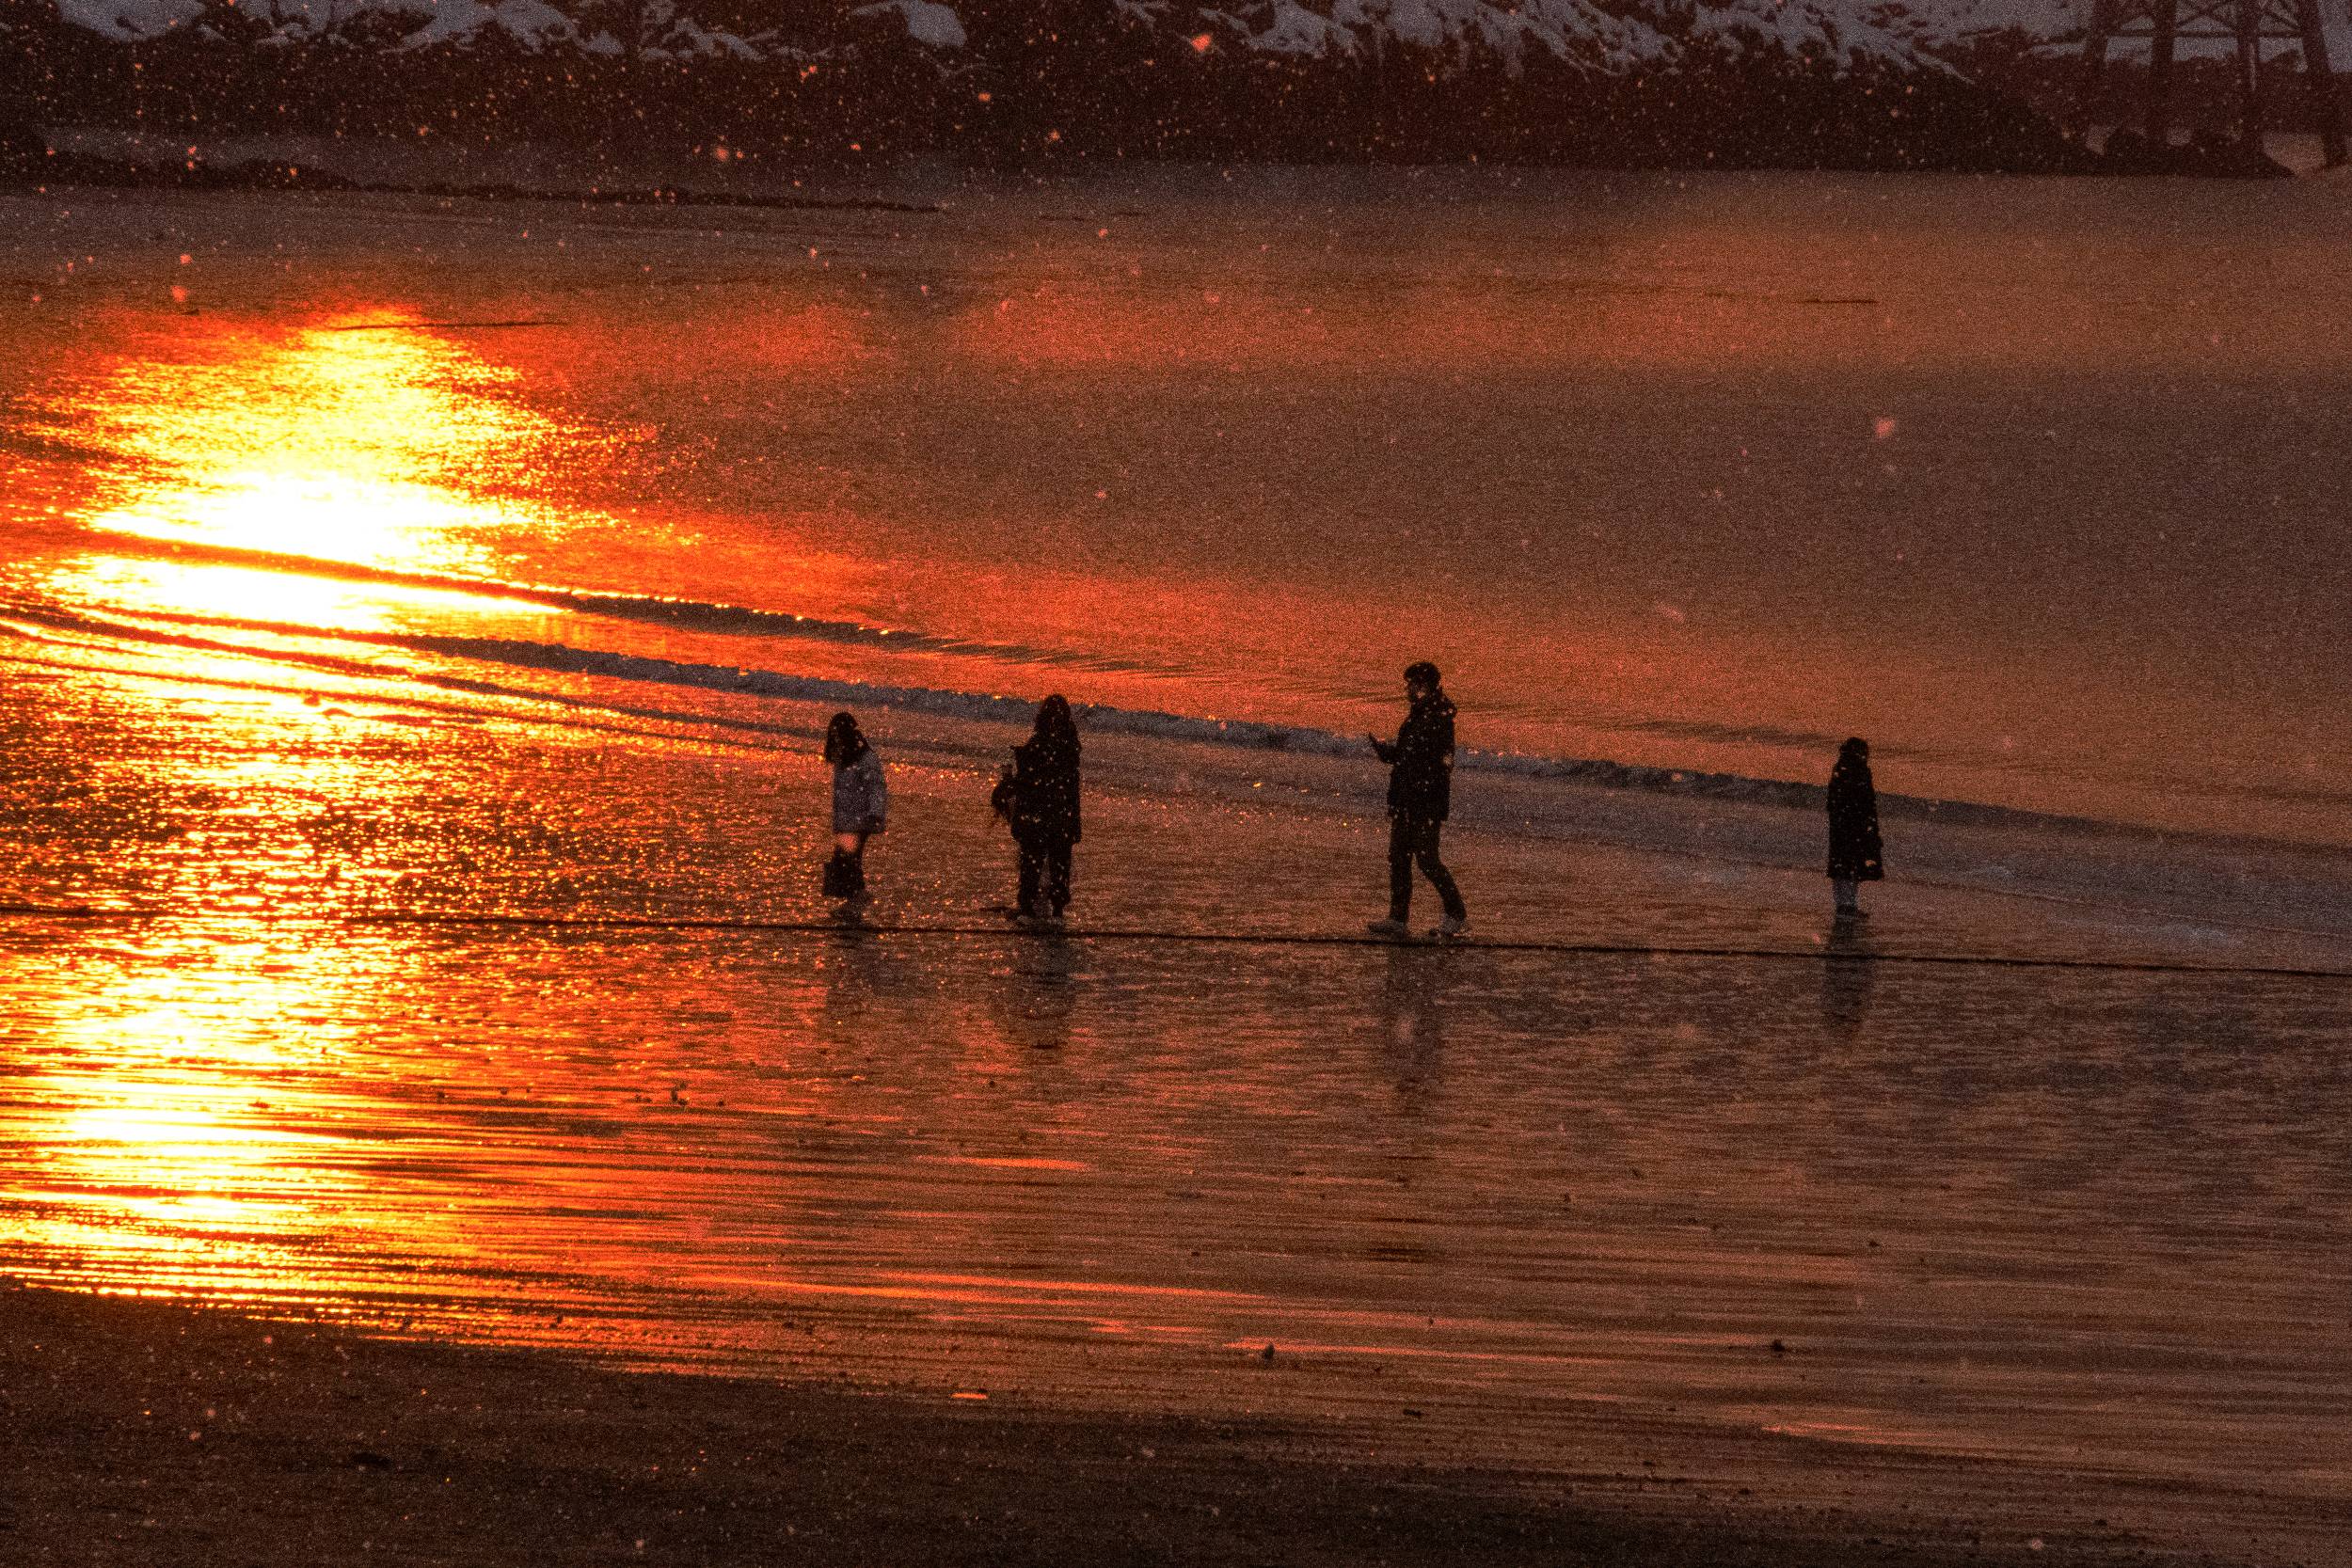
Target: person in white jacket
861 807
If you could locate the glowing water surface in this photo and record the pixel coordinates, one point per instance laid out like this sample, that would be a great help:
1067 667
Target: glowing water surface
2022 478
1490 1190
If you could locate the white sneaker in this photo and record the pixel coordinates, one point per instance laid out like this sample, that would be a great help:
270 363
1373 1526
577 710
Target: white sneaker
1388 927
1454 925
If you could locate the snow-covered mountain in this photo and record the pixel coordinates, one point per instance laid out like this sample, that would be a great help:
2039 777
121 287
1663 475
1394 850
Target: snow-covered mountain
1944 23
1865 83
658 26
1950 25
1617 38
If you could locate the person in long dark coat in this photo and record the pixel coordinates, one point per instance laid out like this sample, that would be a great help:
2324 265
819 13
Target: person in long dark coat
861 806
1421 797
1043 805
1854 853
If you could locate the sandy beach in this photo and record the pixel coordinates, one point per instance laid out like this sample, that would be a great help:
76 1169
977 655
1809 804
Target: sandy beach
145 1433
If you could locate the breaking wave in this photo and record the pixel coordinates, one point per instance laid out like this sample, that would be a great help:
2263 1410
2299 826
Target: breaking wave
641 609
187 631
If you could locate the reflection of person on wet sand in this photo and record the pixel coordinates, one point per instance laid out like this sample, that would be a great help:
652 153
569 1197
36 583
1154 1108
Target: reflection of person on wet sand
1412 1025
1847 973
1040 994
856 974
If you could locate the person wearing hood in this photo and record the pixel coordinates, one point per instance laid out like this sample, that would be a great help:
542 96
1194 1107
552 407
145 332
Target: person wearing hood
1854 852
861 807
1420 785
1041 798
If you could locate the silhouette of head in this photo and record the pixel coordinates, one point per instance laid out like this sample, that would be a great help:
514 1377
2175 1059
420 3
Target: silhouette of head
844 741
1855 750
1054 722
1421 678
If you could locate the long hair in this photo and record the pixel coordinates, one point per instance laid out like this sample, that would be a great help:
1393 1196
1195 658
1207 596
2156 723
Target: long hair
844 741
1054 724
1852 758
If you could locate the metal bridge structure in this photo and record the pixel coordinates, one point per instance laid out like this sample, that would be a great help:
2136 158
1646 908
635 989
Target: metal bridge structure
2247 24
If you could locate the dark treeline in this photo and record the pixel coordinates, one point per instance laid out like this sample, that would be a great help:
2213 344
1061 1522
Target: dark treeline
1037 83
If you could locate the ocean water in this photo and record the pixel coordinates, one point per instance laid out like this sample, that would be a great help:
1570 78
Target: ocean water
2038 484
417 619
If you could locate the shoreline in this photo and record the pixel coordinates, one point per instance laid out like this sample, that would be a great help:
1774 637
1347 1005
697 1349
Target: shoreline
172 1435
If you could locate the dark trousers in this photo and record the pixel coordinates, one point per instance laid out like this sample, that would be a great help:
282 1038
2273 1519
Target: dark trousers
1413 842
1044 876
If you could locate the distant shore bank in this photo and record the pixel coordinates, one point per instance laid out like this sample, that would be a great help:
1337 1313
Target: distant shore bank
55 166
104 157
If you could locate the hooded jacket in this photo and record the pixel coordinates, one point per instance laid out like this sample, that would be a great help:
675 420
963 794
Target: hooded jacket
1420 761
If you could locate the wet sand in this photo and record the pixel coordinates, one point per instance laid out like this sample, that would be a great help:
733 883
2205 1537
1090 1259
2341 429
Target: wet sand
2039 1247
146 1433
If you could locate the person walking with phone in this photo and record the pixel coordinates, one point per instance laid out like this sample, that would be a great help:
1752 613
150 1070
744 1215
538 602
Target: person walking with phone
1421 796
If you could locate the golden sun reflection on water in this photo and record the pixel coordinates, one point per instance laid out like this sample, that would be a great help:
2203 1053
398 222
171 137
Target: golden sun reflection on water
194 1139
201 592
177 1162
382 445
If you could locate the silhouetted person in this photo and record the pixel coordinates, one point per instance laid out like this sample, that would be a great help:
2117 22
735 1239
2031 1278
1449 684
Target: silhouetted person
1042 804
1420 794
1854 829
861 807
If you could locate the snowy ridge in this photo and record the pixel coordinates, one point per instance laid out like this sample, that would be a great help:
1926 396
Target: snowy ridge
130 19
1575 31
654 31
530 23
926 22
1951 21
1615 42
2059 24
